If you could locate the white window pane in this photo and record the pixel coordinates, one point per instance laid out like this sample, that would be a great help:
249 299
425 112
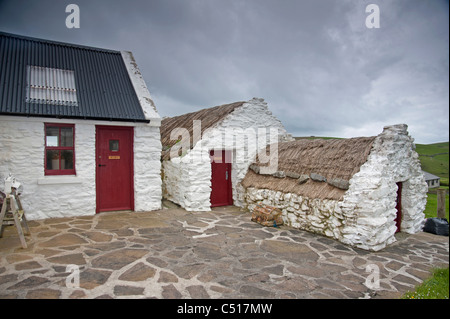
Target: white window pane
51 136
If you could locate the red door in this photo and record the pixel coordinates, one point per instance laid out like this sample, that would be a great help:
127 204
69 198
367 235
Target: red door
221 193
114 171
398 219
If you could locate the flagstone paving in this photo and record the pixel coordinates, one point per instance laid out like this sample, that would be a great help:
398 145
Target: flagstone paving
172 253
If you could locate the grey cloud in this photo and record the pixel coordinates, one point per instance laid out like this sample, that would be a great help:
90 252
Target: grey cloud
317 65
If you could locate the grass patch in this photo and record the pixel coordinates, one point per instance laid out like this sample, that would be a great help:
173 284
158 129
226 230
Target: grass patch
436 287
434 159
431 208
436 165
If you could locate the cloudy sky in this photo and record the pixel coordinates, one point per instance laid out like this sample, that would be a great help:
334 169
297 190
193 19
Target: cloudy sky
318 66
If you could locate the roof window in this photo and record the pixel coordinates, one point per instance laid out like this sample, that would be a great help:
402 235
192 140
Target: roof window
51 86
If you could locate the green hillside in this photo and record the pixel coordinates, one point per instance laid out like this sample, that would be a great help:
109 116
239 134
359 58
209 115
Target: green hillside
434 159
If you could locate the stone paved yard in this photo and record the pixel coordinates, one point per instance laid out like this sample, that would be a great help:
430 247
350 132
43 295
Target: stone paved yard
172 253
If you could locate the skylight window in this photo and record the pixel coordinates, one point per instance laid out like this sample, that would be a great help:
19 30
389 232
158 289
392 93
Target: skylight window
51 86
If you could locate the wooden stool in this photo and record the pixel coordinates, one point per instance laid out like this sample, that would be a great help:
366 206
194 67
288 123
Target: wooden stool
12 214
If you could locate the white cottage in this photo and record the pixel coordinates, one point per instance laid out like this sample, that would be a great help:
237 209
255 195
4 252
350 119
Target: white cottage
433 181
360 191
78 129
207 153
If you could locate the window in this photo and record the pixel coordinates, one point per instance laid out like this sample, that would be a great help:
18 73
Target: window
51 86
114 145
59 149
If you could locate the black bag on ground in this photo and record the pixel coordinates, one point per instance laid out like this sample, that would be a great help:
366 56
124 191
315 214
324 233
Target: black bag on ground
438 226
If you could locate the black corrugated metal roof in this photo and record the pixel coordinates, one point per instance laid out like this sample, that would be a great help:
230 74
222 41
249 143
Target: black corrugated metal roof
103 87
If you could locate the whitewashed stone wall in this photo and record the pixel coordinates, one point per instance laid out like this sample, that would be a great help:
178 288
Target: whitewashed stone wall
370 202
187 179
140 87
22 154
147 144
365 218
147 168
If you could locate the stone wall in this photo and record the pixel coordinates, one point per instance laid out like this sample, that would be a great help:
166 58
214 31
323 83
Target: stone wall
315 215
22 154
187 179
147 144
147 168
365 218
371 199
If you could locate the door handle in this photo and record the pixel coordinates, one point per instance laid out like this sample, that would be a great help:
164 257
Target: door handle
100 165
226 175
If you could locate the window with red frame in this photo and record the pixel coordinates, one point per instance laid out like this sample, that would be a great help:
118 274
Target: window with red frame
59 149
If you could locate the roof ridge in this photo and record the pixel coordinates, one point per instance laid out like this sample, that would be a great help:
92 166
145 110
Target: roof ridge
203 109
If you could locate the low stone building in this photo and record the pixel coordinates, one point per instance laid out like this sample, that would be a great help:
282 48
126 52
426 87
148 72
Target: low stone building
207 153
360 191
433 181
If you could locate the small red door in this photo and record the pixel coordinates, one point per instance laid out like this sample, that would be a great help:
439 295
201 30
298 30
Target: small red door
114 168
221 193
398 219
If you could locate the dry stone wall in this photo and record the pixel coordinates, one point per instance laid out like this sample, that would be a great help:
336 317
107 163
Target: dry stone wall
315 215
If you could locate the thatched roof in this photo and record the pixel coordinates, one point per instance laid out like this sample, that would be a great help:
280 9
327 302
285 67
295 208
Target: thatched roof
209 117
309 161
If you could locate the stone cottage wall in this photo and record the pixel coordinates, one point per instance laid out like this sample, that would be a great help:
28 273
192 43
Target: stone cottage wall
370 201
365 218
320 216
147 144
22 154
147 168
187 179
